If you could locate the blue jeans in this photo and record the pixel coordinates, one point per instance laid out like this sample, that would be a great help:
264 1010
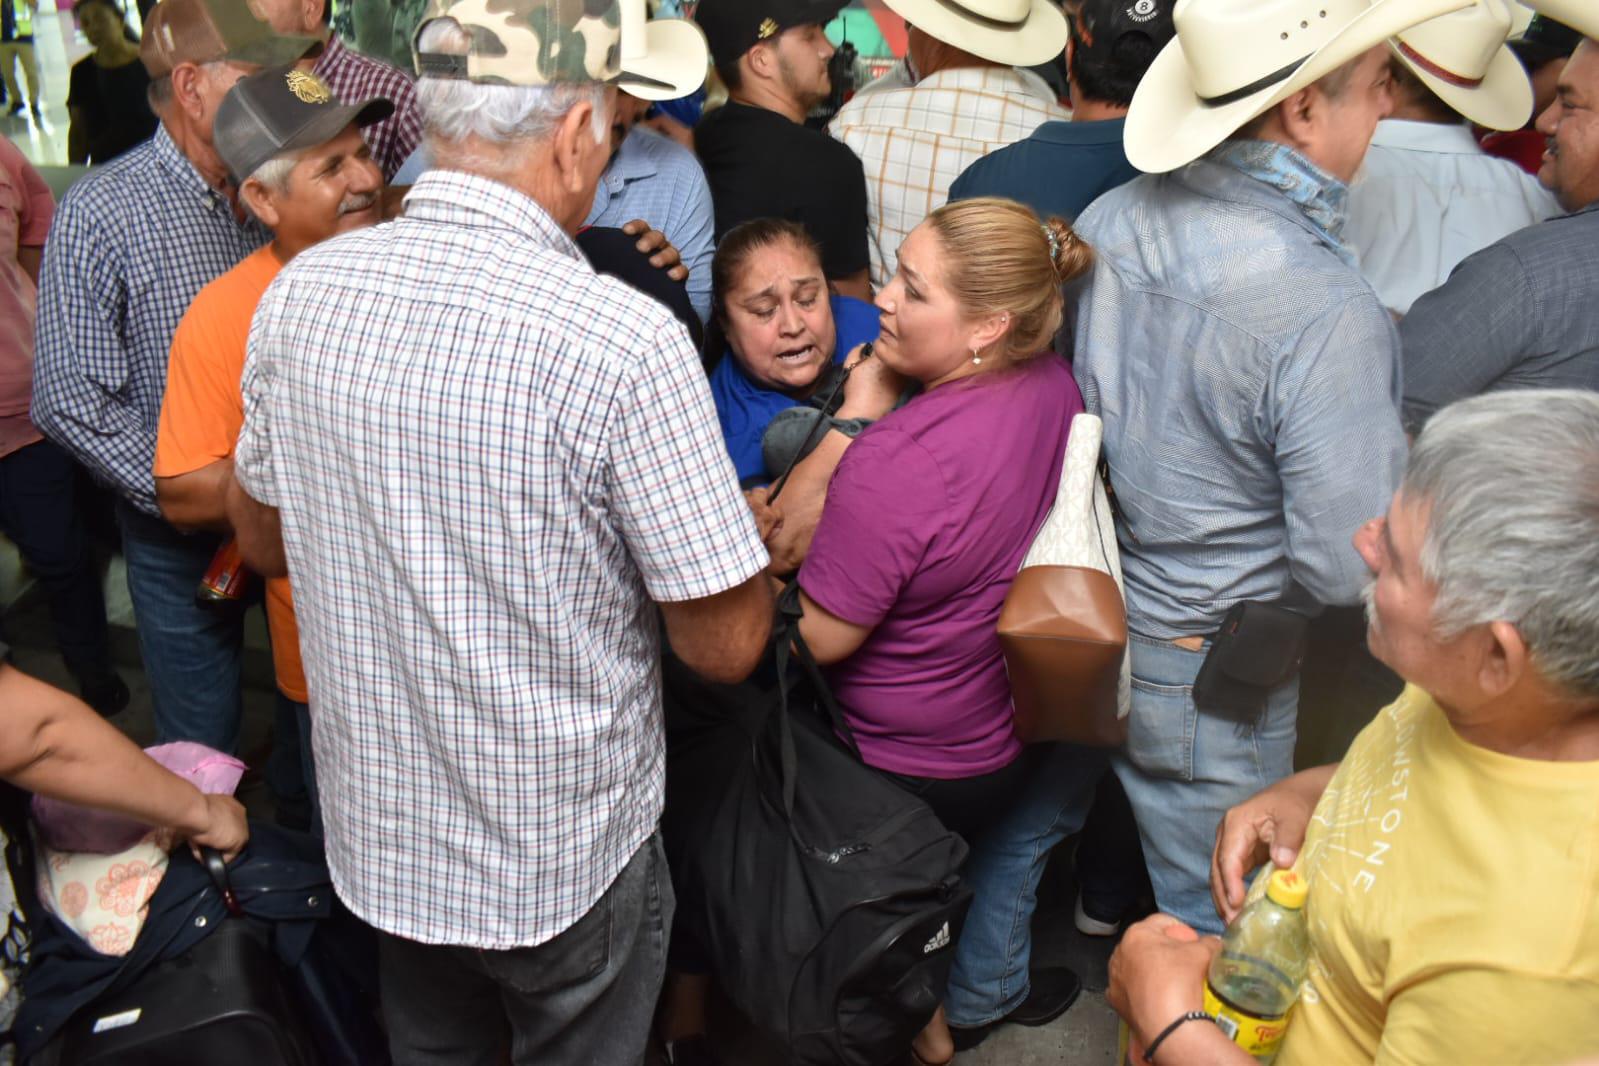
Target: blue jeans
989 977
192 655
1182 770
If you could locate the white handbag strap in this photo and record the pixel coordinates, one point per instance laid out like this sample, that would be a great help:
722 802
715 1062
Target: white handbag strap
1073 531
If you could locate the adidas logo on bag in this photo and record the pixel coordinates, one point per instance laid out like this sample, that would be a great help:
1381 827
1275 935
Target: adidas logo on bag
940 940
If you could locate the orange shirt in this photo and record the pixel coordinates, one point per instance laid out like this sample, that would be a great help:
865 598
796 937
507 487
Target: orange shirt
203 411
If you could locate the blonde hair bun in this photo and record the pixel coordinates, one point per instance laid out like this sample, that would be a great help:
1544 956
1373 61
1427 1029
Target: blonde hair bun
1068 252
998 259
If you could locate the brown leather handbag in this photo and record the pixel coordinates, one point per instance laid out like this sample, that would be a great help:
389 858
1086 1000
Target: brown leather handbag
1063 627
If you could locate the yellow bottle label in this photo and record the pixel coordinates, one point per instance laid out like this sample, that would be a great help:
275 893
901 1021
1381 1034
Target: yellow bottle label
1259 1037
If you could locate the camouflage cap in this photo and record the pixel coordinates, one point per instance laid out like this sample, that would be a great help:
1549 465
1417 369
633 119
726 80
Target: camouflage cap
527 42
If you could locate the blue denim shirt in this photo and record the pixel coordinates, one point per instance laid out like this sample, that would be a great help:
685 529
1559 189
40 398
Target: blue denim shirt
1249 383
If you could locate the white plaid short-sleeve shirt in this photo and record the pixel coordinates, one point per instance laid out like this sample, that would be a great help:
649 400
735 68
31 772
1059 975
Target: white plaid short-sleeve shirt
488 461
914 143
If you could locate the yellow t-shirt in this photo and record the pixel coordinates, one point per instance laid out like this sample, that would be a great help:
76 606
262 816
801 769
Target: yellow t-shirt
1454 903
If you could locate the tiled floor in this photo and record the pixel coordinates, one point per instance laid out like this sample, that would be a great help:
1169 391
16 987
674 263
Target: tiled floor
57 44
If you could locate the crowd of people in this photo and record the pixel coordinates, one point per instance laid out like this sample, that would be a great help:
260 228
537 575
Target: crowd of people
509 386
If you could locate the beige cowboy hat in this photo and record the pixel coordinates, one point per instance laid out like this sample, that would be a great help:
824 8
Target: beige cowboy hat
662 59
1580 15
1018 33
1463 58
1233 59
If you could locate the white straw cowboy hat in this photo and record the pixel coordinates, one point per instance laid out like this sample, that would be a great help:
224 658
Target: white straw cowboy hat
1233 59
1019 33
662 59
1463 58
1580 15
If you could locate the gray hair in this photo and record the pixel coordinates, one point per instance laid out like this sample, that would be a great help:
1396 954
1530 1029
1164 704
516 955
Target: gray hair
158 94
1510 481
274 173
1333 85
454 109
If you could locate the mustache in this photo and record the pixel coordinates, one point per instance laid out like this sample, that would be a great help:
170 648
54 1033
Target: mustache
357 202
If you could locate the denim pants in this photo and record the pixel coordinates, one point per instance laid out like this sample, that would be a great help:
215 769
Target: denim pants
585 998
38 511
1182 770
989 977
193 655
291 766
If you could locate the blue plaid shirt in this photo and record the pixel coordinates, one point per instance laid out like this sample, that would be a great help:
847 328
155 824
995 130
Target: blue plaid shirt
1249 382
132 244
661 182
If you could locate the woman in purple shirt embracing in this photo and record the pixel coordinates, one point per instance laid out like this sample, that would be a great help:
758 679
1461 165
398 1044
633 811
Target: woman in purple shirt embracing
932 509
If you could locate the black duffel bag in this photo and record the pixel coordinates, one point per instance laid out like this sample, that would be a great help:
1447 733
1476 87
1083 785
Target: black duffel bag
827 899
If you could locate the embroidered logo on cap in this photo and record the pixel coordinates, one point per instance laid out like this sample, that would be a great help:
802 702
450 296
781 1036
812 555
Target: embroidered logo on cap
308 87
1142 11
768 28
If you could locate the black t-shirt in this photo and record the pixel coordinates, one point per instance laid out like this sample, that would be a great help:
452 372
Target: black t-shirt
114 106
761 165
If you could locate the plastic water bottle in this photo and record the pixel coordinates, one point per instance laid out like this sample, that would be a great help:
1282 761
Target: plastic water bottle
1255 980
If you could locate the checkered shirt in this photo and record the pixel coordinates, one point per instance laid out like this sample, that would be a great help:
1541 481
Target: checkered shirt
914 143
132 244
488 460
353 77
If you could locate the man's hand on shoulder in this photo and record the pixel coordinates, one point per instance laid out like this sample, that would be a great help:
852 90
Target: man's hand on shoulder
653 243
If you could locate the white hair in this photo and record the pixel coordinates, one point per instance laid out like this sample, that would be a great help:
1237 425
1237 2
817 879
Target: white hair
1510 482
274 173
454 109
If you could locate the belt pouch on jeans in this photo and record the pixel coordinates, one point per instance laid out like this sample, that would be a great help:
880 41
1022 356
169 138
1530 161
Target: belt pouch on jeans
1258 647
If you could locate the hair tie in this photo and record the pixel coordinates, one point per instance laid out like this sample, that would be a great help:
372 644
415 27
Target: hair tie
1054 243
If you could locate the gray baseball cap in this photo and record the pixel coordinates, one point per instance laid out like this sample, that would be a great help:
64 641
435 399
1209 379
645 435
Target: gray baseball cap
283 109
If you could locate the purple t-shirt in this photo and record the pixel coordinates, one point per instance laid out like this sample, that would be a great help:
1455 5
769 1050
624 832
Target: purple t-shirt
927 519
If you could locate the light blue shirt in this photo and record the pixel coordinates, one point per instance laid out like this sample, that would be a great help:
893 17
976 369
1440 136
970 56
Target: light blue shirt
660 181
655 179
1249 383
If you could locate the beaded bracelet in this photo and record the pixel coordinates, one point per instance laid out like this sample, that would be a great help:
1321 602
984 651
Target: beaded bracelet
1191 1016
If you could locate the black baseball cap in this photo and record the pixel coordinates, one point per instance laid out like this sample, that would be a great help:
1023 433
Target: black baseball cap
283 109
1544 41
733 27
1105 26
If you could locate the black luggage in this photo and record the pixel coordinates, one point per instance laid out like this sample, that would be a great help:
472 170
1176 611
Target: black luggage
255 964
224 1001
826 898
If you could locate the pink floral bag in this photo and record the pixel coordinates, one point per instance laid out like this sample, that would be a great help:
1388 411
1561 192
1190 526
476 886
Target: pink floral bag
98 870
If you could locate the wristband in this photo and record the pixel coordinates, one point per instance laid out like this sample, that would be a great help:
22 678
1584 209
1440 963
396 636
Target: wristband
1191 1016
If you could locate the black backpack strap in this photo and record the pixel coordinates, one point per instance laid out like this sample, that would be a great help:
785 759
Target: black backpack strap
790 644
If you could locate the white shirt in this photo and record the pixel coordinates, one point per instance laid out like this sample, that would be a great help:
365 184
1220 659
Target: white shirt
913 143
1426 198
488 460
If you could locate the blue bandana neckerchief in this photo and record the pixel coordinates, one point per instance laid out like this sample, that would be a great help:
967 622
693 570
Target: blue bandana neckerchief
1322 197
